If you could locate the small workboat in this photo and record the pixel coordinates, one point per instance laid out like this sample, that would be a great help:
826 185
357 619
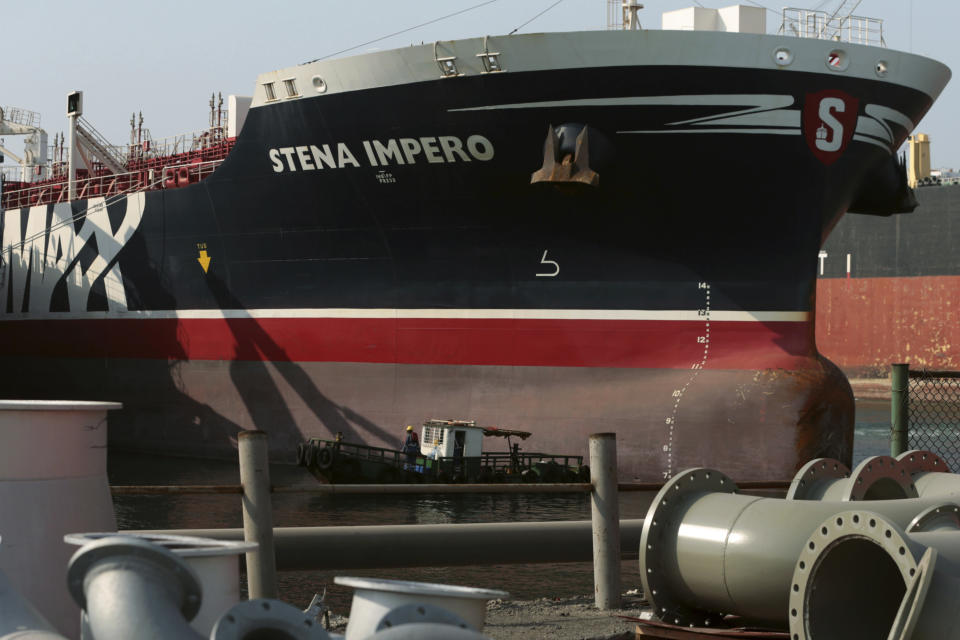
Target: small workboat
450 451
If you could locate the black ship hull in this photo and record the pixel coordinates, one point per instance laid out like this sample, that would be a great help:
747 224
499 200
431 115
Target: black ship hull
370 258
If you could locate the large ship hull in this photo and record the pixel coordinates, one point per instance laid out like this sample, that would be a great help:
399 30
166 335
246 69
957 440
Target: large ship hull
376 255
896 298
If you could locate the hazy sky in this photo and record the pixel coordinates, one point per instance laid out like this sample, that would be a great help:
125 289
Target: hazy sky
165 58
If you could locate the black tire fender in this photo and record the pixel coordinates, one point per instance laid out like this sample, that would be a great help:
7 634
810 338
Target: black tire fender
324 458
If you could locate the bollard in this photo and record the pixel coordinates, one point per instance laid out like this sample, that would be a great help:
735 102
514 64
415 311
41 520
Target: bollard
257 514
899 408
606 520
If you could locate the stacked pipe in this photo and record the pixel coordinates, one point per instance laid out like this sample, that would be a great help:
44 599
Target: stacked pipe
811 562
130 587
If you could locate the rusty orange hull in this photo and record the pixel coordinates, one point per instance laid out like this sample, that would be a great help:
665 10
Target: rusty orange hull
865 324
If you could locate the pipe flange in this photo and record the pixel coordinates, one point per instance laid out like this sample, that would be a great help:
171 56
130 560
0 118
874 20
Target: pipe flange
114 551
844 526
660 525
879 478
183 546
917 461
264 618
943 516
812 476
414 613
912 604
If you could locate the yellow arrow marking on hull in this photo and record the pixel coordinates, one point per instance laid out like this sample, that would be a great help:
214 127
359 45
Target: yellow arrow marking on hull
204 260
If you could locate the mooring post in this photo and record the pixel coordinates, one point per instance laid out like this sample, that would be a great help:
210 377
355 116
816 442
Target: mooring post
899 408
257 514
606 520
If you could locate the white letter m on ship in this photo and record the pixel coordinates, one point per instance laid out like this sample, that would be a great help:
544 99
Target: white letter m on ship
37 257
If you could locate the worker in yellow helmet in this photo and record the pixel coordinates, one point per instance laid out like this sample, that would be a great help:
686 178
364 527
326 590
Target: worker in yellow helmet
411 446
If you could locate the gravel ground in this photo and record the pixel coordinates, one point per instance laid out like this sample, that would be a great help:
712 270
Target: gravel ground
573 618
561 619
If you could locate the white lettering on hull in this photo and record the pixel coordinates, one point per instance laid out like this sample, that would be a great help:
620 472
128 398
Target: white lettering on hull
47 256
382 153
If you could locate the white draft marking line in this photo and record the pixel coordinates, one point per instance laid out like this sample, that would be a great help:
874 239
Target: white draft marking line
675 315
678 394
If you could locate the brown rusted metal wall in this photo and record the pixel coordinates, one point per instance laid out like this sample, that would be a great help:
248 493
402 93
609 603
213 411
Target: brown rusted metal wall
865 324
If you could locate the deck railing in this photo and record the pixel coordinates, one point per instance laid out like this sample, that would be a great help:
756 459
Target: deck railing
110 184
806 23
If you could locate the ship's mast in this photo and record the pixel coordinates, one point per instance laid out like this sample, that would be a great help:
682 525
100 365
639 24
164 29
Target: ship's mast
74 111
622 14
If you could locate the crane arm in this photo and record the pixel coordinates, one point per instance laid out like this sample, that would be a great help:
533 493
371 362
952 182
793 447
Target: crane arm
8 128
5 151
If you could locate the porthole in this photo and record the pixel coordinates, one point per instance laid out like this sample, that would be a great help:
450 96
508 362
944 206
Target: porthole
837 60
782 56
319 84
881 68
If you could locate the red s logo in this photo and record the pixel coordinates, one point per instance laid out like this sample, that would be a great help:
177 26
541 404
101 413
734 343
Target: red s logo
829 120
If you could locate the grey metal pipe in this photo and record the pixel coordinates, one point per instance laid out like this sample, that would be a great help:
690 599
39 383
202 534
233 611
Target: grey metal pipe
375 547
19 618
930 475
258 514
930 610
860 575
918 460
411 489
875 478
130 588
267 619
899 408
706 550
605 509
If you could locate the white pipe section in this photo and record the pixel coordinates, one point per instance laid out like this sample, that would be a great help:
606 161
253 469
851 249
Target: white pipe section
53 481
372 599
214 561
132 589
19 619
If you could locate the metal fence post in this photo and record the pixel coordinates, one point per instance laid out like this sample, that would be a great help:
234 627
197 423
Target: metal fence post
606 520
257 514
899 408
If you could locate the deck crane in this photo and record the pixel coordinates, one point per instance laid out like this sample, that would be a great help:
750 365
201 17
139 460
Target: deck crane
20 122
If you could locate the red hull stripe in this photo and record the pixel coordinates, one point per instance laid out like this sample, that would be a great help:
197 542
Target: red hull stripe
675 344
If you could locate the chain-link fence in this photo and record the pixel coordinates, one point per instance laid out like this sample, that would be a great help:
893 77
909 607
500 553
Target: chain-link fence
933 399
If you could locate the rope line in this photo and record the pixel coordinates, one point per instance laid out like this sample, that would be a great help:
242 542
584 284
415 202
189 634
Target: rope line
535 17
397 33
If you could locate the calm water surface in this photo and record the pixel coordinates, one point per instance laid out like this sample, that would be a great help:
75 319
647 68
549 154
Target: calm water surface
290 510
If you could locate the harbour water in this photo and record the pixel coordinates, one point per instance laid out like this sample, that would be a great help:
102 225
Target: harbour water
293 509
